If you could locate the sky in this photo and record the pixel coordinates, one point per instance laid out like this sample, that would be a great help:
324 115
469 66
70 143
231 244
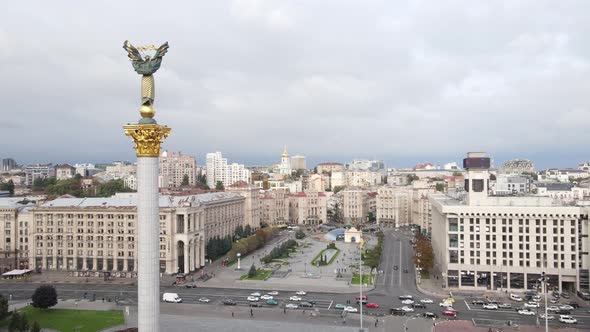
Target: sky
402 81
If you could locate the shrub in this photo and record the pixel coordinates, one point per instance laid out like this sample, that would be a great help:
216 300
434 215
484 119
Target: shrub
299 235
3 307
331 246
252 272
35 327
44 297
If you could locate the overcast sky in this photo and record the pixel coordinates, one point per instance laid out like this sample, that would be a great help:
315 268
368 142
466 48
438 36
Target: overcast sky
402 81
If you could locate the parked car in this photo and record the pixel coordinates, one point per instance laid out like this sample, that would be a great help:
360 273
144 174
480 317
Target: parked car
191 285
255 304
505 305
397 312
275 293
171 298
406 270
408 302
272 302
549 317
294 298
584 296
567 319
407 309
563 312
351 309
229 302
426 301
478 302
372 305
419 305
405 297
490 306
574 304
449 313
515 297
252 298
291 306
555 294
448 299
364 297
257 294
429 315
565 295
526 312
552 308
339 306
566 307
204 300
266 297
445 304
305 304
361 301
301 293
395 267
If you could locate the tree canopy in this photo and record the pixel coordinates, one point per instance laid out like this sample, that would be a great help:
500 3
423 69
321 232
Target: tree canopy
44 297
219 186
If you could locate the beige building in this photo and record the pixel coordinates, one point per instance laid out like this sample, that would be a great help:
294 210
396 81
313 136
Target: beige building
393 206
173 168
64 172
14 244
420 207
307 208
99 234
505 243
355 206
356 178
274 207
251 204
298 162
329 167
319 182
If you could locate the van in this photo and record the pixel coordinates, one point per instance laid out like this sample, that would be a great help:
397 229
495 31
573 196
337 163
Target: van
171 297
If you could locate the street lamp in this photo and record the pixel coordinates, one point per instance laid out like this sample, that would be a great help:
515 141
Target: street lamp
238 255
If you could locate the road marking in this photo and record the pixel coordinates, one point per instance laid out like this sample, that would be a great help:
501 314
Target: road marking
330 306
468 307
399 282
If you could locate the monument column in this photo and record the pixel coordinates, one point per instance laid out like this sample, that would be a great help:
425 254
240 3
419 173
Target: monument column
147 136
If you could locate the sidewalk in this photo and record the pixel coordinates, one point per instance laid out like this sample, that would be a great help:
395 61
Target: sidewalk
467 326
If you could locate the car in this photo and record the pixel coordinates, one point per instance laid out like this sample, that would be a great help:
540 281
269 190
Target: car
565 295
515 297
266 297
566 307
397 312
554 300
563 312
229 302
448 299
574 304
364 297
407 309
405 270
274 293
294 298
445 304
395 267
300 292
567 319
362 301
272 302
555 294
171 298
490 306
493 301
549 317
350 309
505 305
204 300
429 315
305 304
426 301
526 312
372 305
449 313
405 297
552 308
478 302
531 305
291 306
419 305
190 286
255 304
536 298
257 294
339 306
252 298
408 302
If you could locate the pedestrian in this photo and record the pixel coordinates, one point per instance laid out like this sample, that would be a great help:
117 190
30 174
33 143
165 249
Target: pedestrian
10 296
285 310
376 321
232 314
251 313
103 299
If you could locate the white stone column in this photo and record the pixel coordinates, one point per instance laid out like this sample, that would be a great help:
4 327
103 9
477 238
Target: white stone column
148 277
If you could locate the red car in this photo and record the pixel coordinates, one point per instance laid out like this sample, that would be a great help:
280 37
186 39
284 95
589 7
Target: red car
449 313
372 305
364 297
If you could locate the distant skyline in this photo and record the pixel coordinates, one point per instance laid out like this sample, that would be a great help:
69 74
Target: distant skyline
402 81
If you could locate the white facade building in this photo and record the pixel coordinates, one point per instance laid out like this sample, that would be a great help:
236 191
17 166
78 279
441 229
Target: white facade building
219 170
307 208
38 171
285 165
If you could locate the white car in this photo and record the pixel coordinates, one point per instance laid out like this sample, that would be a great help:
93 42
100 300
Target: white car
549 317
490 306
531 305
274 292
266 297
257 294
301 293
253 298
567 319
351 309
445 304
407 309
505 305
407 302
526 312
294 298
291 306
426 301
515 297
552 308
204 299
566 307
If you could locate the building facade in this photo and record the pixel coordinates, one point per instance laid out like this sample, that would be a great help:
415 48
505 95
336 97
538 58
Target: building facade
307 208
274 207
298 162
329 167
38 171
8 164
64 172
355 206
219 170
174 166
14 244
251 203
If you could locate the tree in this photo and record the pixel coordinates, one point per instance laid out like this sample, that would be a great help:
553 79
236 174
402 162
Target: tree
8 186
424 254
44 297
299 235
252 272
248 230
219 186
265 184
336 189
440 187
35 327
109 188
412 178
3 307
185 180
23 323
371 217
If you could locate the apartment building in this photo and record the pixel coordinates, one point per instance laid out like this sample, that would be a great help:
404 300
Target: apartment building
307 208
393 206
14 243
251 203
64 172
298 162
99 234
487 242
274 207
38 171
174 166
355 205
218 169
329 167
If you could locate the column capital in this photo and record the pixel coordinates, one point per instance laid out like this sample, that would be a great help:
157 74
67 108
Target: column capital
147 138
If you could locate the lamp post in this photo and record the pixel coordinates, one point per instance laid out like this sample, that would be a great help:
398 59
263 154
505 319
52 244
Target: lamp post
361 280
239 255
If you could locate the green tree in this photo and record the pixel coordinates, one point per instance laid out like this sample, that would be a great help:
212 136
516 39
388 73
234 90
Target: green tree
299 234
8 186
371 217
239 232
219 186
23 323
185 180
248 230
3 307
35 327
44 297
337 189
14 323
265 184
412 178
440 187
252 272
112 187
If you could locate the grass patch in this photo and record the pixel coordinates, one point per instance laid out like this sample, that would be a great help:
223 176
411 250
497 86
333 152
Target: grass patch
260 275
367 279
67 320
321 253
424 274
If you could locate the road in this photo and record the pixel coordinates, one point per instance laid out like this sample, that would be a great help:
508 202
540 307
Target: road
388 286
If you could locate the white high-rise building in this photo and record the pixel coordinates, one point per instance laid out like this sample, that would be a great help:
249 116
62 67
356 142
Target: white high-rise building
219 170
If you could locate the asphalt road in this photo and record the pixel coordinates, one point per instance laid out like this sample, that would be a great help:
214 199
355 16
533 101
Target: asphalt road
388 286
